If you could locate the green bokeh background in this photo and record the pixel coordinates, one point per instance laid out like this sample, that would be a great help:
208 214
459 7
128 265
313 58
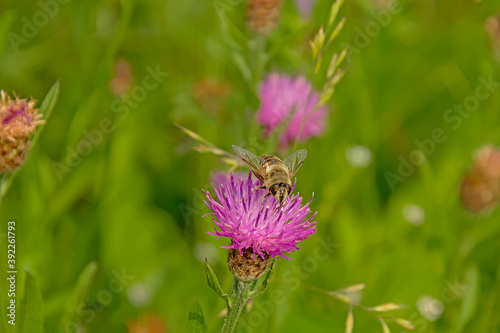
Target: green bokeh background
134 202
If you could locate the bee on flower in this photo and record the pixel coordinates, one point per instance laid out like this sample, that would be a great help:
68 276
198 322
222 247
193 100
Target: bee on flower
257 234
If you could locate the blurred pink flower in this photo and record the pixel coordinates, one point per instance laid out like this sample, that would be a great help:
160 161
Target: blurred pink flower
305 7
291 100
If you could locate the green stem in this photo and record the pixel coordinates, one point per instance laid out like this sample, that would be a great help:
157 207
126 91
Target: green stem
237 300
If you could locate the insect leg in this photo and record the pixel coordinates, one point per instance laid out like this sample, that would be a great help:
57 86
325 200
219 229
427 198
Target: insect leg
281 204
262 201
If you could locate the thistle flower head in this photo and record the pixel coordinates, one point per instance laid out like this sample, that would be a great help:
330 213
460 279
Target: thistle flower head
290 101
18 119
224 178
263 15
480 187
239 215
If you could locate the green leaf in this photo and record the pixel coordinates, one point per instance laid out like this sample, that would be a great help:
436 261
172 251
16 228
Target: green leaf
30 310
235 38
46 108
243 66
196 321
121 29
213 282
470 296
79 295
3 323
264 284
6 20
5 182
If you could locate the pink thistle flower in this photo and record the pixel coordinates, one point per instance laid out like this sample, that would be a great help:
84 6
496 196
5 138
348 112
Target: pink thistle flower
239 215
291 100
218 178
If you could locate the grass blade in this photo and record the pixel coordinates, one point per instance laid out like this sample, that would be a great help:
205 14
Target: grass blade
349 322
46 108
385 328
30 310
81 291
196 321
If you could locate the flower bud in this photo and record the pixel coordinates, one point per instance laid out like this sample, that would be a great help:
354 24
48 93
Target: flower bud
246 266
18 119
492 27
123 79
263 15
210 94
481 185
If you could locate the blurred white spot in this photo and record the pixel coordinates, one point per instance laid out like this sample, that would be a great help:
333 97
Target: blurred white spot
414 214
358 156
429 307
139 294
206 250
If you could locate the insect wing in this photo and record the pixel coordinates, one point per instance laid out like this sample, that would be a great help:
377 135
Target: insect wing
251 159
295 161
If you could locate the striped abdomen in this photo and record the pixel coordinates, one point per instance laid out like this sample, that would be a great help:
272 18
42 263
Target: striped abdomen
276 171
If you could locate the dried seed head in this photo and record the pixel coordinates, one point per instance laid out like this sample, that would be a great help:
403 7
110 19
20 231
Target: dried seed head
488 160
122 81
13 153
210 94
481 185
18 119
246 266
478 191
263 15
492 28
